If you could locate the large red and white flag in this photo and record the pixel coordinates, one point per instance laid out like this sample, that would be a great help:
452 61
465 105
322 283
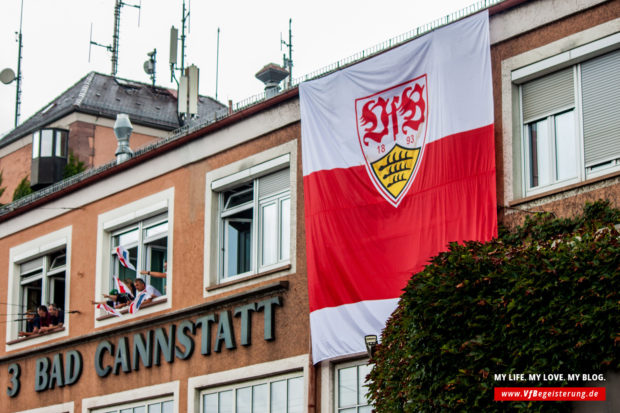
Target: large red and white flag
398 161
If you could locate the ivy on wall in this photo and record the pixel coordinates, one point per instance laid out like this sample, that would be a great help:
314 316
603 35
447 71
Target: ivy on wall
541 299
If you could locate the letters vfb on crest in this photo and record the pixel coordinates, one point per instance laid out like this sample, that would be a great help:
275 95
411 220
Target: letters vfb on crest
391 128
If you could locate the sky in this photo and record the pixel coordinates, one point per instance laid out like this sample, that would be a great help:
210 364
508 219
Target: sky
56 35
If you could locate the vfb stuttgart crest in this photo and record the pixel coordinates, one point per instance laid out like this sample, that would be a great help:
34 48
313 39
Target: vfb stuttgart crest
391 127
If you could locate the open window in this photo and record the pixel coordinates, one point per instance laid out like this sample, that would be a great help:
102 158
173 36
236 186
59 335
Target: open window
255 225
38 275
250 216
142 232
146 242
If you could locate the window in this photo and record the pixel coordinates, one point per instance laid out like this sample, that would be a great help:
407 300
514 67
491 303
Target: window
49 143
284 394
38 275
42 282
144 229
571 123
147 244
255 225
250 215
351 389
163 405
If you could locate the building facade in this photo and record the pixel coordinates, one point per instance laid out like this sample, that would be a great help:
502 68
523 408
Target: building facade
220 211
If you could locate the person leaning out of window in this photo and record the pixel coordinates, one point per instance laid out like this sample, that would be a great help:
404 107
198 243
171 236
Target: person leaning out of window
56 319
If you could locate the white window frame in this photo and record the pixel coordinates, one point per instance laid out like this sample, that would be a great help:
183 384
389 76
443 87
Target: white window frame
109 223
550 118
197 386
28 251
142 244
227 177
249 384
328 370
158 392
337 368
566 52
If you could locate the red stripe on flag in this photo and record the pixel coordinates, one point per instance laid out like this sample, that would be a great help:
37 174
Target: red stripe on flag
360 247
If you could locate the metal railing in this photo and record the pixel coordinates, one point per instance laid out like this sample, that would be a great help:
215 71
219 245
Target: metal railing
255 99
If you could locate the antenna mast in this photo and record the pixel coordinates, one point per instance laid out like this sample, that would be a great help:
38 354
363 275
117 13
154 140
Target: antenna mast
174 33
116 35
288 62
217 62
18 93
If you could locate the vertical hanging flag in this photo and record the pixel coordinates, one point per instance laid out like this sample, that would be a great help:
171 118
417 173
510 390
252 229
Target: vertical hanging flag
123 257
398 161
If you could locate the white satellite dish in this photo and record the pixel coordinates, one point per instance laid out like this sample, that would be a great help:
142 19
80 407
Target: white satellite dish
7 76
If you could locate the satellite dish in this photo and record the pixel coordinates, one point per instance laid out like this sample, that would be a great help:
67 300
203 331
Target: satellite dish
7 76
149 67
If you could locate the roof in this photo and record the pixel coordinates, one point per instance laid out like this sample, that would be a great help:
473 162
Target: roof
106 96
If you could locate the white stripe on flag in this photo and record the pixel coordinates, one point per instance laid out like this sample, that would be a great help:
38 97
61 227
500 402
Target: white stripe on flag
350 322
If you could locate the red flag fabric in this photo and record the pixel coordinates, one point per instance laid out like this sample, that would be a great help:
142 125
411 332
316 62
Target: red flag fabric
399 160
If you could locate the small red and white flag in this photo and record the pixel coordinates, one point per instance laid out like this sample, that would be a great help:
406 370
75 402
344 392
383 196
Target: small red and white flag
135 304
108 309
123 257
121 287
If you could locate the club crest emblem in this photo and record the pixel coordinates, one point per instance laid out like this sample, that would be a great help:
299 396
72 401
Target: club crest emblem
391 128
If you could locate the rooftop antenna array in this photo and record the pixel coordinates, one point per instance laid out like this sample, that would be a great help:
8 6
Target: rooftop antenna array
287 63
174 39
187 96
116 35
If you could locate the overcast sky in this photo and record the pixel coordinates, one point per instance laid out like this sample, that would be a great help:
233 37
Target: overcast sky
56 40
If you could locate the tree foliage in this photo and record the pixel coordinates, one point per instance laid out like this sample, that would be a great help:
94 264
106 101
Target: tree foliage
74 166
23 189
541 299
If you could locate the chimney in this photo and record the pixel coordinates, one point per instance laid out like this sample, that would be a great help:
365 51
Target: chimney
271 75
122 130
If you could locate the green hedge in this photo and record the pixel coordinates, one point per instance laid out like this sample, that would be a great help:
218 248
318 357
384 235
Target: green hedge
541 299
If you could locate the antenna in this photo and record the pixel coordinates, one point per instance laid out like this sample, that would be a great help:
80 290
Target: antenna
115 35
288 62
217 62
174 41
184 21
18 92
174 38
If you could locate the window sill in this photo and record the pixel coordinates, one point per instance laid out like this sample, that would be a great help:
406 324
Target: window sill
563 189
248 278
125 310
32 337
